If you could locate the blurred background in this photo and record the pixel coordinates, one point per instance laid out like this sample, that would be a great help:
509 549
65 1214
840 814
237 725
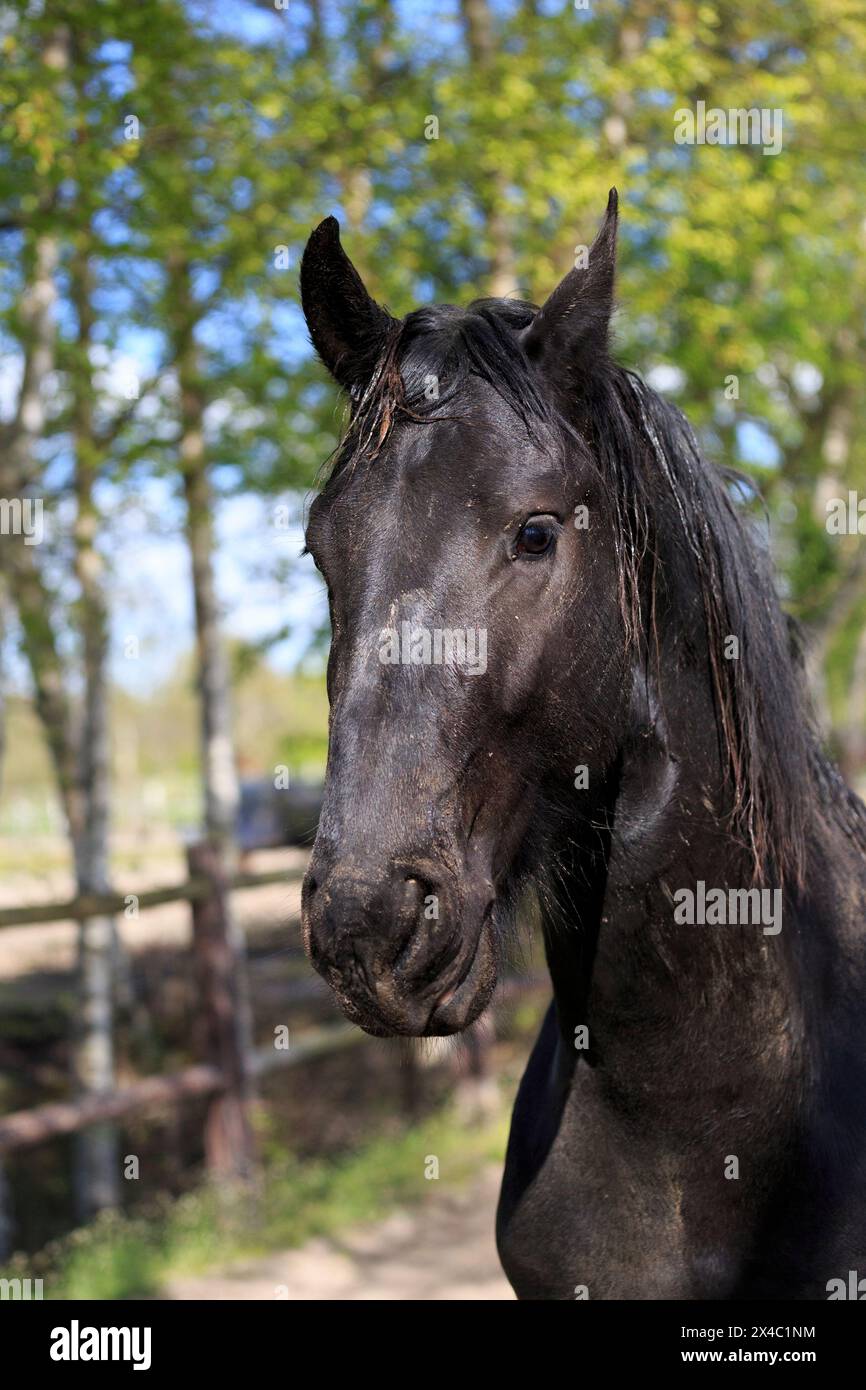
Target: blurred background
162 642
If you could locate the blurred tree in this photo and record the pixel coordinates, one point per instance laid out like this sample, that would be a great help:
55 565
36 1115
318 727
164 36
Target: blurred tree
52 228
742 272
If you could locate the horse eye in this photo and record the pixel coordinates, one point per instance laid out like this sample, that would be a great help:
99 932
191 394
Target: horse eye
535 538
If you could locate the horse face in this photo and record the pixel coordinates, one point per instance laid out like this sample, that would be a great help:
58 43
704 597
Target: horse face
476 660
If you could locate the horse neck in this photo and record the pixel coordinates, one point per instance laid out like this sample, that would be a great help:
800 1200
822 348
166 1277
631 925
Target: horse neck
657 996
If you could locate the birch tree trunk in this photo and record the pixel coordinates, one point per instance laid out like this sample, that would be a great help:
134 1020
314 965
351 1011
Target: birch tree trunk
78 748
480 43
97 1177
835 443
25 583
219 775
218 769
852 740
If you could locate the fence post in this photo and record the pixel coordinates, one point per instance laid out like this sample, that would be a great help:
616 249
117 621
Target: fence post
229 1140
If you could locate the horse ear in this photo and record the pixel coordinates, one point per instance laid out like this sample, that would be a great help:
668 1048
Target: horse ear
347 326
571 328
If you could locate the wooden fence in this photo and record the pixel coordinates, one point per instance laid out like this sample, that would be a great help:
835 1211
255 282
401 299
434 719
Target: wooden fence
228 1074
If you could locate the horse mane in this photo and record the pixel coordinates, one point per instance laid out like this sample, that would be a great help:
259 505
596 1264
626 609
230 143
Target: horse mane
679 533
448 344
675 504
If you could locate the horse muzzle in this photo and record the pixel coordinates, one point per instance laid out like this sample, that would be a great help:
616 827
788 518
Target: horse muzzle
406 952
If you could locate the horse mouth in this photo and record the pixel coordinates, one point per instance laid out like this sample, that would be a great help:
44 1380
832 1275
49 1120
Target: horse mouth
387 1006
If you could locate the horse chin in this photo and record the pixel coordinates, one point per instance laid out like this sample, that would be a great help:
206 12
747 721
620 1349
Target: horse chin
397 1013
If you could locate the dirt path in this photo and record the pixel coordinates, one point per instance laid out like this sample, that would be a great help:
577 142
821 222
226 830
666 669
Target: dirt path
442 1250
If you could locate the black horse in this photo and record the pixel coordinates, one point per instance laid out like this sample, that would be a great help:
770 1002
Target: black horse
558 661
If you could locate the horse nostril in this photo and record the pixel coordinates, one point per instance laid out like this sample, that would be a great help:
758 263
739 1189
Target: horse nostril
412 898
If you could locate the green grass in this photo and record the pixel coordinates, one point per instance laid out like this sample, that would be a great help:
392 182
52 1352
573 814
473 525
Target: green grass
133 1256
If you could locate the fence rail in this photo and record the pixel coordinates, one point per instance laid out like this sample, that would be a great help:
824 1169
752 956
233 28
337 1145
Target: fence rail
24 1128
113 904
227 1075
